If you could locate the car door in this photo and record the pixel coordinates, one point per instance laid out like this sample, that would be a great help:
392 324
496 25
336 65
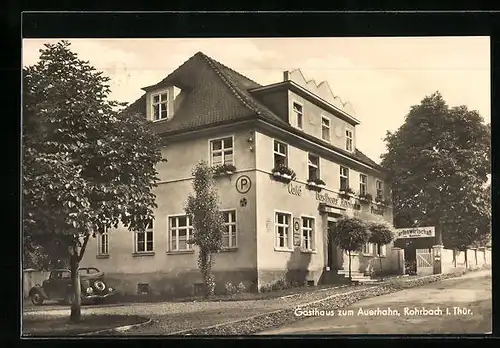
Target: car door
48 284
63 284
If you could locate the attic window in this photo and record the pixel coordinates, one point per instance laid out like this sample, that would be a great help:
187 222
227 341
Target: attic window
159 106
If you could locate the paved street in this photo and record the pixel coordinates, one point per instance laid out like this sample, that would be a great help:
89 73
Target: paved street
471 293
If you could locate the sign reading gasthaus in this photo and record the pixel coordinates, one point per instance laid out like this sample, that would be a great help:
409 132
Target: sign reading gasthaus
415 232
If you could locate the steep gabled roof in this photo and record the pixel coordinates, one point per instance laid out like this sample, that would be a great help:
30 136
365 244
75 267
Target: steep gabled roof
215 94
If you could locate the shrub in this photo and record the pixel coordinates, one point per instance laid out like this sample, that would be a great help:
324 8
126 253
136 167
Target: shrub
241 287
230 288
234 289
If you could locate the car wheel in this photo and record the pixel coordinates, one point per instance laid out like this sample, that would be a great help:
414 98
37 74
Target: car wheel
36 298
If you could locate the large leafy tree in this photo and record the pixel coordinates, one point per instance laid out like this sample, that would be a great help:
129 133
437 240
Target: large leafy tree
208 222
438 162
86 163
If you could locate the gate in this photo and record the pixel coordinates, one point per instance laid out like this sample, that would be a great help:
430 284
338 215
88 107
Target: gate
424 262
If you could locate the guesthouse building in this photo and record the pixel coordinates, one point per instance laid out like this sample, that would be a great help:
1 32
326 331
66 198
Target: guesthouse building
283 151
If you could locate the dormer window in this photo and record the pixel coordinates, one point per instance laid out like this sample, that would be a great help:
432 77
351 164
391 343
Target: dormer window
159 105
162 103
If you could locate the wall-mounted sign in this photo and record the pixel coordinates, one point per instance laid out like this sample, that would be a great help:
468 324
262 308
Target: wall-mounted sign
243 184
296 231
336 202
295 190
415 232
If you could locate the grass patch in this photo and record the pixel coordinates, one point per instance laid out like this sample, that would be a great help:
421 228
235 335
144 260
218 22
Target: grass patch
61 326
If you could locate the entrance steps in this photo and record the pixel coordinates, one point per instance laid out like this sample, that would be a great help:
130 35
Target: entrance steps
356 276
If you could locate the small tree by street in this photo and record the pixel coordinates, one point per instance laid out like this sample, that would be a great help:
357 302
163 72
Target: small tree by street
86 164
207 220
350 234
380 234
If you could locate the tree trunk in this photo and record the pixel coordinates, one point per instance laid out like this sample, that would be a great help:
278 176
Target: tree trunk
466 260
349 253
206 272
76 300
380 258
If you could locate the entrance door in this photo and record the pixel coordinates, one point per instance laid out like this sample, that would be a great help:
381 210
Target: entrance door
332 248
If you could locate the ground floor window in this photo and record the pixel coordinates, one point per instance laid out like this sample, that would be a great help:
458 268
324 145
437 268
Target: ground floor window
181 230
103 242
307 233
144 239
381 250
229 235
282 230
367 249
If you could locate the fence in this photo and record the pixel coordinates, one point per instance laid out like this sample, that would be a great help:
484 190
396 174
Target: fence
452 260
32 277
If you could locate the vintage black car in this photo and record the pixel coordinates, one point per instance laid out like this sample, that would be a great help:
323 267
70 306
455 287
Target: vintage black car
58 286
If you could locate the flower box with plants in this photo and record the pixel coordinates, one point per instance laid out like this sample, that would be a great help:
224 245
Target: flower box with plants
346 193
382 201
316 184
224 169
283 173
365 197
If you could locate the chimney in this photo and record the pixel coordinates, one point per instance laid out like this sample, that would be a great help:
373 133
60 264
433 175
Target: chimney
286 76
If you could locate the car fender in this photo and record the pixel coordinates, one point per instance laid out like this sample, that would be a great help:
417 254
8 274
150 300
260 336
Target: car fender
39 289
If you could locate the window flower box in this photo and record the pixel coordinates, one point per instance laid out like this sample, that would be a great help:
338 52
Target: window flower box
283 173
365 198
382 201
224 169
346 193
316 184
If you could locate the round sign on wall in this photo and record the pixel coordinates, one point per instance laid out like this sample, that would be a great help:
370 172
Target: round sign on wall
243 184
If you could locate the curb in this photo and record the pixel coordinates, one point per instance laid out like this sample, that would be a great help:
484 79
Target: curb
227 325
118 329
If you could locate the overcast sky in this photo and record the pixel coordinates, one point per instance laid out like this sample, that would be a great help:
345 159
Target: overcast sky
381 77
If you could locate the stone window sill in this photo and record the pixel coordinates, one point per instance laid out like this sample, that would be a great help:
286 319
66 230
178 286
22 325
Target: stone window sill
286 250
140 254
102 256
179 252
228 250
307 251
